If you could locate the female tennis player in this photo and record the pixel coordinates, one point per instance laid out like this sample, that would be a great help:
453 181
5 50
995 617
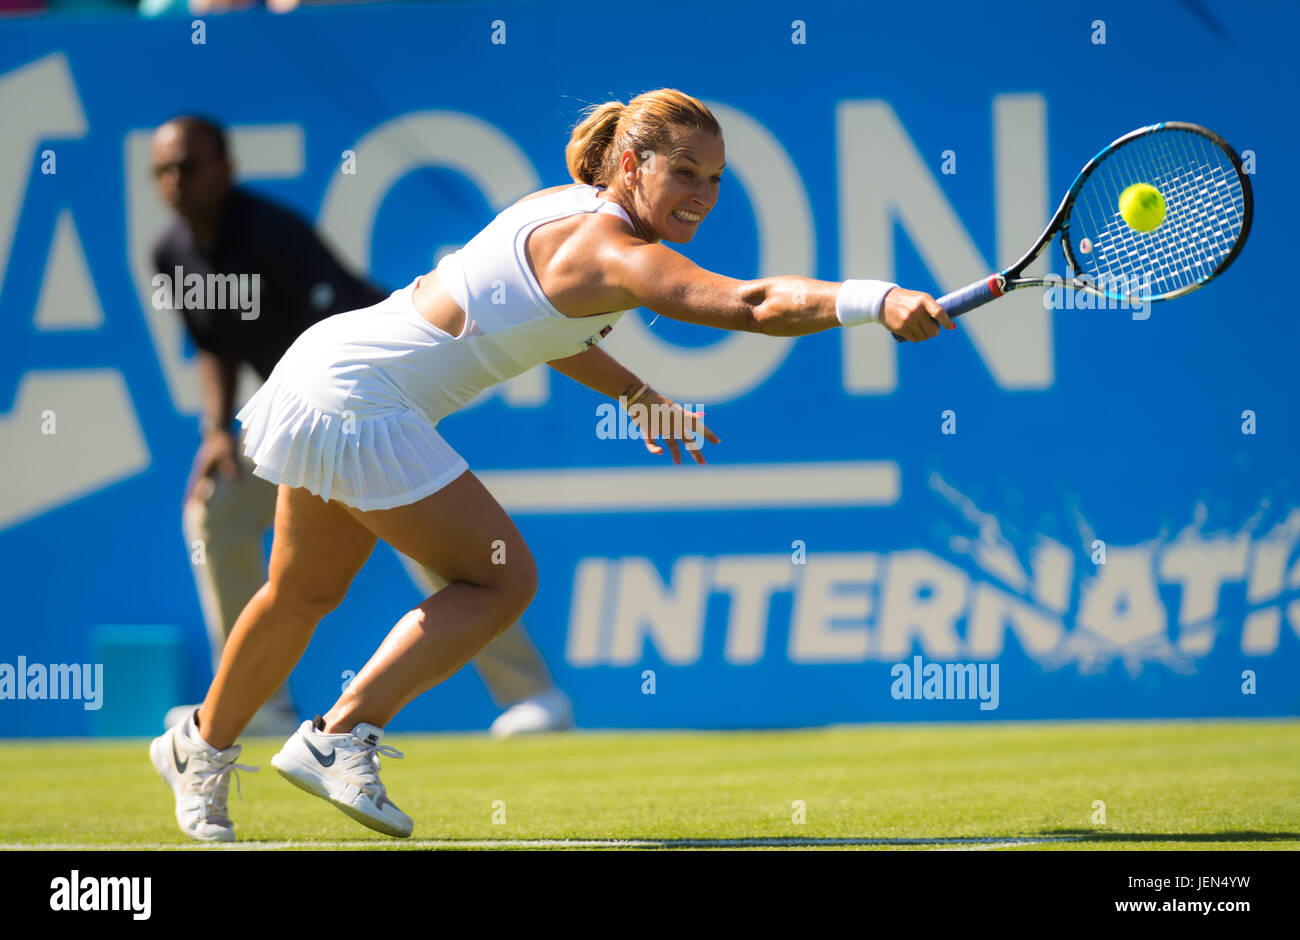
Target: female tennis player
346 426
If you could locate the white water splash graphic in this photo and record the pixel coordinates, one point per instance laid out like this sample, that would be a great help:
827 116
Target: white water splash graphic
1097 604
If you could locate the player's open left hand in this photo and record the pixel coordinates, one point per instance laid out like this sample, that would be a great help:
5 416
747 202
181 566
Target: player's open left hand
664 418
912 315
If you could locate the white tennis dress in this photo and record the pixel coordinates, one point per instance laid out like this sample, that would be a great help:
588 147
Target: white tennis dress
350 411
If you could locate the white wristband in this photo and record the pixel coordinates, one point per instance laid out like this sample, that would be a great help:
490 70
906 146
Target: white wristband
861 301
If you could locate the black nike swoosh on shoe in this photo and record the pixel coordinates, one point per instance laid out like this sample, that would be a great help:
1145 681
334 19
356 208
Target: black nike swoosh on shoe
320 758
176 759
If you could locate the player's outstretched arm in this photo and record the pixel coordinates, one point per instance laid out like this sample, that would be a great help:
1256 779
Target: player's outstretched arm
599 371
654 276
656 415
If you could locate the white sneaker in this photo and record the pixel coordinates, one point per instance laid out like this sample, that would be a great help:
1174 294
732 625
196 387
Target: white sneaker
200 777
548 711
344 769
178 714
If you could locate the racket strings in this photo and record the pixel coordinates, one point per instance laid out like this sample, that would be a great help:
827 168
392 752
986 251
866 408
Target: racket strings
1204 214
1177 254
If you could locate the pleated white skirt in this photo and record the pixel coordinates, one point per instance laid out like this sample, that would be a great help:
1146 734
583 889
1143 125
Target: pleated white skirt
329 422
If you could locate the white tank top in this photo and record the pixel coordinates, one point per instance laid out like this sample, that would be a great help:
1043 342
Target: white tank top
510 325
491 280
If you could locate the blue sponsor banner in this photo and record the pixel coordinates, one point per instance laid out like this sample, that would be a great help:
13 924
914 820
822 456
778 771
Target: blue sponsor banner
1068 513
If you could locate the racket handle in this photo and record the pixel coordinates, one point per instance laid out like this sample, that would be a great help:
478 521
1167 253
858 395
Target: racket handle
968 298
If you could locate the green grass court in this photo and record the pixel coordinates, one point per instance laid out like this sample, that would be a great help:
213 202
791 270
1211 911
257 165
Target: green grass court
1166 785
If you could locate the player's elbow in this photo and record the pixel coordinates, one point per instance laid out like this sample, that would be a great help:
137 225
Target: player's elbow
769 322
761 309
774 308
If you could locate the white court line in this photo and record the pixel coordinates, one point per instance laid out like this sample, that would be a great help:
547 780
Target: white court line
772 486
1001 845
972 842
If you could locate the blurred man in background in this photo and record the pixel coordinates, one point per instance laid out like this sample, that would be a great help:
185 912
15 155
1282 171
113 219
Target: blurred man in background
221 229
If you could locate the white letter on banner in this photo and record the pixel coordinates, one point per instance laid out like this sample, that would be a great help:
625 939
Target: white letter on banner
103 442
750 581
671 616
813 636
993 610
883 179
1201 566
1122 604
906 614
585 620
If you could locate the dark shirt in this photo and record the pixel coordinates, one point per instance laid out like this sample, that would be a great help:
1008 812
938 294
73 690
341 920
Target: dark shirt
299 282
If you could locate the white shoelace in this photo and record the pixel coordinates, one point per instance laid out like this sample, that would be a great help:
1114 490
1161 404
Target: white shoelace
364 762
214 787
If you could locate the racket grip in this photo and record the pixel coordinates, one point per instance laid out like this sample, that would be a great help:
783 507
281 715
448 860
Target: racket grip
968 298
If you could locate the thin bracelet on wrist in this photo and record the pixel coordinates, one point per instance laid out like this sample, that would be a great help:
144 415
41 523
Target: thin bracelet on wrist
639 392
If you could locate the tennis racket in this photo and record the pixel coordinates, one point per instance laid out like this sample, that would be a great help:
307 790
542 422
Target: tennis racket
1208 209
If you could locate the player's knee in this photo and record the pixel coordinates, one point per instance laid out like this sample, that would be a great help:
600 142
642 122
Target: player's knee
527 589
518 584
307 600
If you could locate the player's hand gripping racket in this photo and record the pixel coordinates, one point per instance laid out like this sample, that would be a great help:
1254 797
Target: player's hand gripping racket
1120 241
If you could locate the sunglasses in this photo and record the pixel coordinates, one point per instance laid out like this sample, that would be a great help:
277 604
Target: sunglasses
184 167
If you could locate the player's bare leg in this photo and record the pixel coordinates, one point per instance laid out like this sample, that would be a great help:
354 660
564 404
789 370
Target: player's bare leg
318 548
464 535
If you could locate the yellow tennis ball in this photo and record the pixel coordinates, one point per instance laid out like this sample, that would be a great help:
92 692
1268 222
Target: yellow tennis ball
1142 207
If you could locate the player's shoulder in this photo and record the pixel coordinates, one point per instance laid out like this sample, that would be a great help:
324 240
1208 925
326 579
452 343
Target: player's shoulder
548 192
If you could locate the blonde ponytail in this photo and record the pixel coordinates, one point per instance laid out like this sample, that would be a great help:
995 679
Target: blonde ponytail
647 122
590 142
